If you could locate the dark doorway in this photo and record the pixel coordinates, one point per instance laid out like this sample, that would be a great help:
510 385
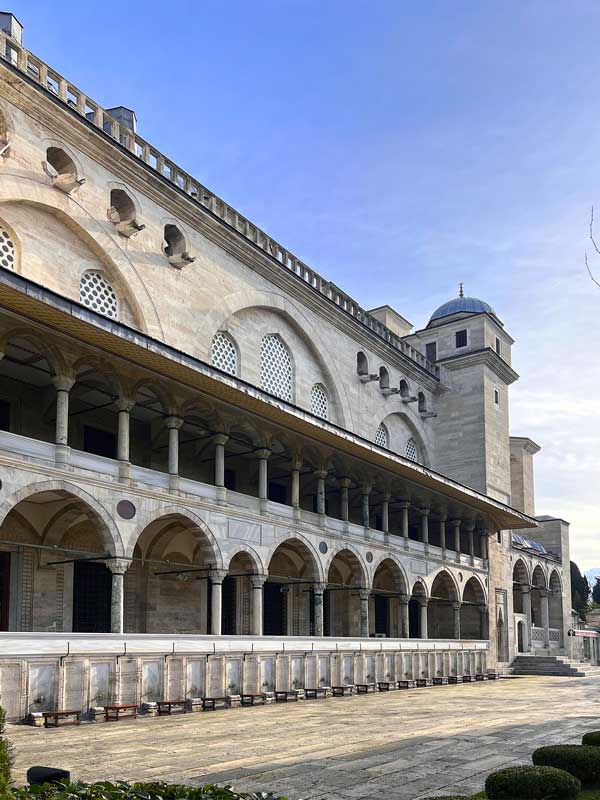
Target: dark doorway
520 637
4 415
209 606
382 615
92 590
414 619
4 589
274 617
99 442
326 613
228 606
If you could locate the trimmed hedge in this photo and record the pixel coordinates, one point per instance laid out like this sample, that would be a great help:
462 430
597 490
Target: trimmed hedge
581 760
592 739
532 783
119 790
6 753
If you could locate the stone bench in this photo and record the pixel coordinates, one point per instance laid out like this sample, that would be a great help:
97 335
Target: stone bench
56 715
424 683
387 686
117 712
365 688
320 693
481 677
468 678
407 684
166 706
454 679
213 703
253 699
493 676
440 681
286 696
343 691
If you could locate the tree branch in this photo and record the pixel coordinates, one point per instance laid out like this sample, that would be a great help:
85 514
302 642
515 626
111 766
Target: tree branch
596 248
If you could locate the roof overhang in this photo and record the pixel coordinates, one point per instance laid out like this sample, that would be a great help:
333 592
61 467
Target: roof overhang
40 305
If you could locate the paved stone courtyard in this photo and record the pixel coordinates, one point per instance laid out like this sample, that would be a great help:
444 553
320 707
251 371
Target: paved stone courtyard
402 744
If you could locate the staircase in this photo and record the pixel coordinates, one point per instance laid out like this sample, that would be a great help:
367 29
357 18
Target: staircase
552 665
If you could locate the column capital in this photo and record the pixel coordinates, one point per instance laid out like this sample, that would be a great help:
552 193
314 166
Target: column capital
257 581
320 474
319 588
469 526
387 496
443 515
217 575
296 462
525 588
542 590
425 512
173 422
483 609
220 438
118 566
63 383
345 482
456 522
262 453
404 504
124 403
366 488
404 599
456 604
422 601
364 594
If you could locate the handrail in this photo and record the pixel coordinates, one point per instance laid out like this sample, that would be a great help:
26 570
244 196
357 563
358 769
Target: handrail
66 92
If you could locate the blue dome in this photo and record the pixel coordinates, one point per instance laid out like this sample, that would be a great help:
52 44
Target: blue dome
470 305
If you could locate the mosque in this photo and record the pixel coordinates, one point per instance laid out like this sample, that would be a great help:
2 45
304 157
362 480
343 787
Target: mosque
218 472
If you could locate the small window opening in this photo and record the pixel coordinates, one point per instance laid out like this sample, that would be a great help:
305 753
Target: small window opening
431 351
384 378
62 170
277 492
362 364
422 404
174 247
4 415
230 480
461 338
404 388
496 397
498 346
499 537
99 442
122 213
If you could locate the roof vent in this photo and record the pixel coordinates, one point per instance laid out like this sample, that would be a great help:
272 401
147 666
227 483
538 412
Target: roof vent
124 116
11 26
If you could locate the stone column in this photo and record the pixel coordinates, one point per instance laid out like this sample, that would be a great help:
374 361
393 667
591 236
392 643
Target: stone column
443 534
63 385
404 506
173 424
385 513
405 625
257 582
526 601
424 512
320 475
364 595
456 620
220 440
318 590
124 406
483 626
263 477
295 492
456 525
216 578
287 602
545 616
366 511
470 531
344 504
118 567
423 602
484 545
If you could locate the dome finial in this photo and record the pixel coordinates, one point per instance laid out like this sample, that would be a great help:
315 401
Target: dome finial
461 292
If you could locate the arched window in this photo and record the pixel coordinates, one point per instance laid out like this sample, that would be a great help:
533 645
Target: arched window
382 438
384 378
61 168
60 161
224 353
276 367
362 364
96 292
3 135
174 247
404 388
412 451
122 213
422 402
318 401
8 257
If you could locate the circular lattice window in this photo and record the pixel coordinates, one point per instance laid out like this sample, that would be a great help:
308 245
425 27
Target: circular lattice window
318 401
224 353
95 292
7 250
412 451
275 367
381 436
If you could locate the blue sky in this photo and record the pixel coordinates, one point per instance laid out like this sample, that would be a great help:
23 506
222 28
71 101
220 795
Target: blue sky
398 148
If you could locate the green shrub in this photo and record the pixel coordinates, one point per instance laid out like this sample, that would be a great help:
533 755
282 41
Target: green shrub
582 761
592 739
120 790
6 753
532 783
449 797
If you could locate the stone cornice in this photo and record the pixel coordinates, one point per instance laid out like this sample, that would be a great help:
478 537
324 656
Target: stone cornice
487 357
71 127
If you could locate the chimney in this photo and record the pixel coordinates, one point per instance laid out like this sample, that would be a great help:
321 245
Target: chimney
124 116
11 27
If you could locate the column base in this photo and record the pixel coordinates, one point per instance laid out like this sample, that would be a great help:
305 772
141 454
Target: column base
406 543
124 472
221 495
62 453
173 483
263 505
297 514
322 521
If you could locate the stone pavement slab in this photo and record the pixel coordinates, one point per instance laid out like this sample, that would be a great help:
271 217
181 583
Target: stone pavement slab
400 745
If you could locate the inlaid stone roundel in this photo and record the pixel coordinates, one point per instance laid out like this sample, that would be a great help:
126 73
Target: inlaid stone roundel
323 547
126 509
369 556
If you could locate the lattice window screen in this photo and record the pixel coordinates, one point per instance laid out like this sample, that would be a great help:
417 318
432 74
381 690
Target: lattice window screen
7 250
275 367
412 451
318 401
224 353
381 436
95 292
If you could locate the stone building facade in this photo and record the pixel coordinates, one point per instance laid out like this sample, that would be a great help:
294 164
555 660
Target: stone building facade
219 472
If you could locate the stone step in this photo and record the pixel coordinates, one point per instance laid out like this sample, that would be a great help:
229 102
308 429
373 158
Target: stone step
549 665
